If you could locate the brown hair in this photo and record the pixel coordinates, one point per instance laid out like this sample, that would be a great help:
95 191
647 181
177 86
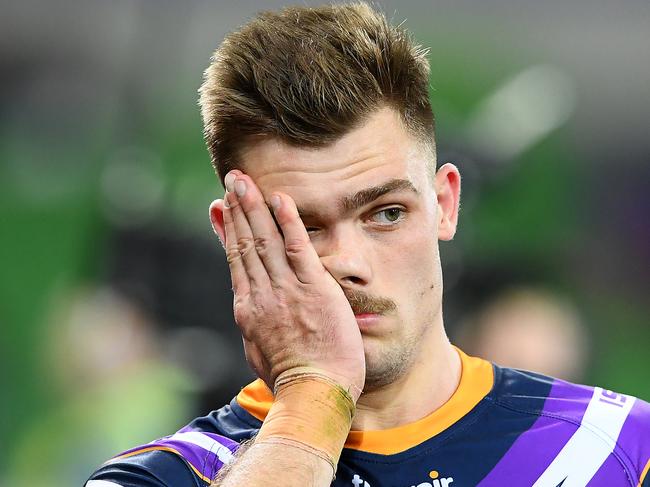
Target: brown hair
310 75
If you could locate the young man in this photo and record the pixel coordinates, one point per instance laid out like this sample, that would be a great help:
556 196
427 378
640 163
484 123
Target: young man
319 124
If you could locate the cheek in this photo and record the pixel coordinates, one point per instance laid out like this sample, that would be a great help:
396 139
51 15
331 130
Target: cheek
412 263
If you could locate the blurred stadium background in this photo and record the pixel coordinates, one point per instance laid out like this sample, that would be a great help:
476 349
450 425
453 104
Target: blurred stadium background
115 320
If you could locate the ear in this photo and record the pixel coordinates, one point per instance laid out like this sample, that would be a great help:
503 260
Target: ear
216 218
447 182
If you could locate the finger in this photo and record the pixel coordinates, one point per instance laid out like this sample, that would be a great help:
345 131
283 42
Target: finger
267 239
238 276
245 242
300 252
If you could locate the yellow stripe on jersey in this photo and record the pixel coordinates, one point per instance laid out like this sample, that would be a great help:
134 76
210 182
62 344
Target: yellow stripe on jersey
477 379
644 473
161 448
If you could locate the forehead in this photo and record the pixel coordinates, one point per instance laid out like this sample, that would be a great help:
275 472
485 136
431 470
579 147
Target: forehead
371 155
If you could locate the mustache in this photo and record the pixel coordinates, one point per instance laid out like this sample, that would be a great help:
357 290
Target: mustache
364 303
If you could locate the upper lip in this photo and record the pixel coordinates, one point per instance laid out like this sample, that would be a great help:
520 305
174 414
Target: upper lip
362 303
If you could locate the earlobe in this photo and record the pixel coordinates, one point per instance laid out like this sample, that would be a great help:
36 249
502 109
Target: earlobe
216 219
448 194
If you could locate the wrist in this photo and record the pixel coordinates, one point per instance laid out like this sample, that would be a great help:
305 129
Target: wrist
298 374
311 412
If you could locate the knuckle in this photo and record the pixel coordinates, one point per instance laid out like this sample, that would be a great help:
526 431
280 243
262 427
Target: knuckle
261 304
246 334
232 254
261 309
262 244
245 245
241 315
295 246
240 305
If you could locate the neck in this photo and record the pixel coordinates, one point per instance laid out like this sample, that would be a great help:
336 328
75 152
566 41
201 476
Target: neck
430 381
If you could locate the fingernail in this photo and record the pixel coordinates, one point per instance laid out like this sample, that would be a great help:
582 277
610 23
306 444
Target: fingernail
240 187
275 202
225 201
228 181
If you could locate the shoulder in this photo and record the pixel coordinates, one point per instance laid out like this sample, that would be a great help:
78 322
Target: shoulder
608 428
577 403
191 456
538 394
151 468
184 458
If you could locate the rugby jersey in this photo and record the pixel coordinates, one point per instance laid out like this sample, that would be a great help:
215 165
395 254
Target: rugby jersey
502 427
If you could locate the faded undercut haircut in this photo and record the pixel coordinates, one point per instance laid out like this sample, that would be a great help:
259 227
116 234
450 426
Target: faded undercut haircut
310 75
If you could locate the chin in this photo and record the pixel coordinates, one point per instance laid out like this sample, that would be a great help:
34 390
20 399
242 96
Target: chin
385 365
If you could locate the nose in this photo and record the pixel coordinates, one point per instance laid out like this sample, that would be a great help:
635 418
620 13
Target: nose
345 256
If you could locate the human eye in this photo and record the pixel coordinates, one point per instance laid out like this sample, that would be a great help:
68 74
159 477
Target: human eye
312 230
388 216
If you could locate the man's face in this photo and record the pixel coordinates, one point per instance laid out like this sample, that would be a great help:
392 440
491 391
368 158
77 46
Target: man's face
374 215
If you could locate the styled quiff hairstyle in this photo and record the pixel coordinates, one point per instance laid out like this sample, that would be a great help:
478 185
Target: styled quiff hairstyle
310 75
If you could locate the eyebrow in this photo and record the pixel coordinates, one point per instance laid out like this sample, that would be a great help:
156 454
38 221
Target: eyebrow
366 196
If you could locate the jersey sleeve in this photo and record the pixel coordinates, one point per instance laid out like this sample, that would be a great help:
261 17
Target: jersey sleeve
187 458
148 469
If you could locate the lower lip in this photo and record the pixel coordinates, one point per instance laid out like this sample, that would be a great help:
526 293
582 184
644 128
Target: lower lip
366 320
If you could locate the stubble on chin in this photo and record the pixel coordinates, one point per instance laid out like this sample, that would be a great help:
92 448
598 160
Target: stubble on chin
390 363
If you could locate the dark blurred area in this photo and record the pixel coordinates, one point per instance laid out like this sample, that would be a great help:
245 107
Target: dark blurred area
115 302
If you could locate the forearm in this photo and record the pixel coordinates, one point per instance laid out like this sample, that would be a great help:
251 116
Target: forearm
276 464
302 437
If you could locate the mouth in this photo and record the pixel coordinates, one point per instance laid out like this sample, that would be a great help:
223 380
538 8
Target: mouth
367 321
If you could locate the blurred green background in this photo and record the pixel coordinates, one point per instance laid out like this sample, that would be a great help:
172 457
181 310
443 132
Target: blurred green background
115 314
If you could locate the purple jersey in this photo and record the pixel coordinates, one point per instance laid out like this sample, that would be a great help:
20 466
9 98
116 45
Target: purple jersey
502 427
